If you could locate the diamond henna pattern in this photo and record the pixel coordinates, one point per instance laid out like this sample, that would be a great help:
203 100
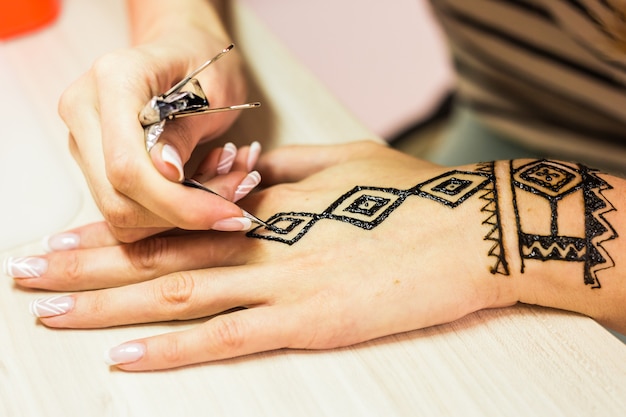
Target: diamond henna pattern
286 227
367 207
549 179
540 237
453 188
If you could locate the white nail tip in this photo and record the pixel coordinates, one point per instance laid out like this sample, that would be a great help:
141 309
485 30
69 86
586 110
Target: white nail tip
227 159
5 266
171 156
52 306
45 242
24 267
252 180
253 154
246 223
233 224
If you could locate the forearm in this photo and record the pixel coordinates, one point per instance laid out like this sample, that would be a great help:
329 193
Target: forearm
151 19
563 235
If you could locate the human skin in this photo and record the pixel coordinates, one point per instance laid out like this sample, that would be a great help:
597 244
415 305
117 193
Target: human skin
137 192
431 260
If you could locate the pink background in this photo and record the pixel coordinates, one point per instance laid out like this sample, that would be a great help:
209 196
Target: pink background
386 61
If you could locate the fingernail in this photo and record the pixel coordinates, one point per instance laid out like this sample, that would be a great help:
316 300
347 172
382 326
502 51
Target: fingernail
226 158
234 224
171 156
125 353
25 267
61 241
253 155
51 306
252 180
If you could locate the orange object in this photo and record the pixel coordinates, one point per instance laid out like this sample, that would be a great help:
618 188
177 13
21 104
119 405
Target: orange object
21 16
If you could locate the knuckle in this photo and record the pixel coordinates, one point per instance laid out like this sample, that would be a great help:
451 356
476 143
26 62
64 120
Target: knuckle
120 171
97 308
72 99
174 292
117 213
123 235
228 334
73 147
73 268
171 350
148 254
105 64
66 102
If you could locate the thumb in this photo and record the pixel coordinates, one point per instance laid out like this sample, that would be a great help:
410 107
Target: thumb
175 146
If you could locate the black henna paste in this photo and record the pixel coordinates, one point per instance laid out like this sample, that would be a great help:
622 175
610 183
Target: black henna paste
367 207
492 209
364 207
560 185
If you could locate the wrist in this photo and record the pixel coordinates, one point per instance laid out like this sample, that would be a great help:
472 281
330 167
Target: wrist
559 227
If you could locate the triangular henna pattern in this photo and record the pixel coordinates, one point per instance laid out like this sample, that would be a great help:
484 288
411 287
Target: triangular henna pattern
597 228
490 196
541 237
367 207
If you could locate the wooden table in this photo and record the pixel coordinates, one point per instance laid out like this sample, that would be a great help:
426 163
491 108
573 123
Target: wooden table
521 361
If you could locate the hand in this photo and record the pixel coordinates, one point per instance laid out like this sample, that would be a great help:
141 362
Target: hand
339 284
138 192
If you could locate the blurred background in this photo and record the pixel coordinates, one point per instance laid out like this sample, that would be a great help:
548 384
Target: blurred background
387 62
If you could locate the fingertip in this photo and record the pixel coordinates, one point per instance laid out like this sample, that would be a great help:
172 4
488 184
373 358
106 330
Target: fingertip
233 224
168 162
227 158
253 155
125 354
247 185
60 242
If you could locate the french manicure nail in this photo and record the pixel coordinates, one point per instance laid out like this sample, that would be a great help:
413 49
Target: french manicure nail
51 306
227 158
125 353
61 241
24 267
253 155
234 224
252 180
171 156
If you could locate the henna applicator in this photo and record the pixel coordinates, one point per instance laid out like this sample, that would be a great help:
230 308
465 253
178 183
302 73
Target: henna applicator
186 98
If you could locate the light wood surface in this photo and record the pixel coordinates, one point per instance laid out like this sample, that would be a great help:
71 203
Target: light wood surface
521 361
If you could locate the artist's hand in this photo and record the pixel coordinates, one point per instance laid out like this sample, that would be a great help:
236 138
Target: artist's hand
339 284
138 192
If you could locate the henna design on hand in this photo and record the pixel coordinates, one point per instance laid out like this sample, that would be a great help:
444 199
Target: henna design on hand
366 207
560 185
540 236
